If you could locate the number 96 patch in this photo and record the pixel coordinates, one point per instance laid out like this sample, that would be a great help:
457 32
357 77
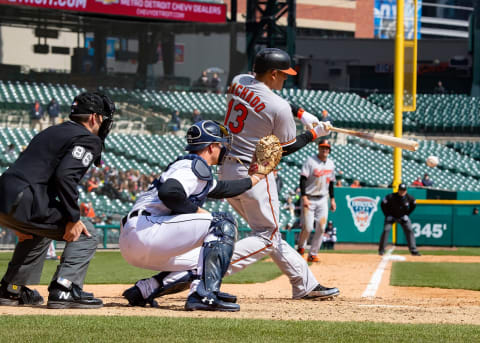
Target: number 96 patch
80 153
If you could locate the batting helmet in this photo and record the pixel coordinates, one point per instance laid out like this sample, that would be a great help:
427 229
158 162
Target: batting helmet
325 143
206 132
272 58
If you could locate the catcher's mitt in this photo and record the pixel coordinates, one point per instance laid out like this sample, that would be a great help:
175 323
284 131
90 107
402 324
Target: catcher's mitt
268 154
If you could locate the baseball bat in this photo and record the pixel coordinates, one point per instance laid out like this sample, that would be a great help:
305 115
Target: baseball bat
396 142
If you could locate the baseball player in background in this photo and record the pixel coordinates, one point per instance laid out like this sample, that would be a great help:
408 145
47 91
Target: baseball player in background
167 226
317 178
254 111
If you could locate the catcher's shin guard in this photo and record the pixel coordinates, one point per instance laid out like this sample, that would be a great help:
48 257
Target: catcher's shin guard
217 253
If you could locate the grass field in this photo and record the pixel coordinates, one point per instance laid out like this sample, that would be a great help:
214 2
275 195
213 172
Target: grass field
109 267
440 275
151 329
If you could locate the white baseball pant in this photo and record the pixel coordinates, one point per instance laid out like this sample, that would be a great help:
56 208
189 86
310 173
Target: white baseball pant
317 211
260 208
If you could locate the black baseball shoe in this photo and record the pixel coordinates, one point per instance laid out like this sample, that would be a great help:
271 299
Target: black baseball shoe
381 252
62 297
322 293
19 296
227 297
415 253
195 302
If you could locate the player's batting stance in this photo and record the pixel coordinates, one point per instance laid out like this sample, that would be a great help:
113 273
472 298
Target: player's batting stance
317 178
167 225
254 111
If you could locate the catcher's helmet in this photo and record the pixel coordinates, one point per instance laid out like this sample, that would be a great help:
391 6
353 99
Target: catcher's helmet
272 58
205 132
325 143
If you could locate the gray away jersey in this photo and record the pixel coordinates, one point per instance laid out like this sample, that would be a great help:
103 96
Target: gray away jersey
318 174
255 111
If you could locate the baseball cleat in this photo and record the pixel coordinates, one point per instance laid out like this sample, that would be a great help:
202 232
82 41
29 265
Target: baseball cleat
313 258
226 297
415 253
196 302
134 296
24 297
322 293
301 251
60 297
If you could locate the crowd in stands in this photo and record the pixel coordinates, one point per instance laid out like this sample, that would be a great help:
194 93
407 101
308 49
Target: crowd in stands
116 184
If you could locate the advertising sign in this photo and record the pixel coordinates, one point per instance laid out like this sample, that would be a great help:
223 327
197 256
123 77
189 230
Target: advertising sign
155 9
385 18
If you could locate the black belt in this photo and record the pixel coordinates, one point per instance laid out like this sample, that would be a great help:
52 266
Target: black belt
315 196
135 214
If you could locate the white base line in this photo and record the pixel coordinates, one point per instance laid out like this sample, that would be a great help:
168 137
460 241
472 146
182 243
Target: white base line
372 286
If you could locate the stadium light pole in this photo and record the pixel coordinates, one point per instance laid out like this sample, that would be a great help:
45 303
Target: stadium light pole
398 99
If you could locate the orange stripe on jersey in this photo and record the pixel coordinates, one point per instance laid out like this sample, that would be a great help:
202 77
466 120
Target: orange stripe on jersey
289 142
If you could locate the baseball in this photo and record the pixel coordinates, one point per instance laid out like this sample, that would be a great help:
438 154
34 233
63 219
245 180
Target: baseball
432 161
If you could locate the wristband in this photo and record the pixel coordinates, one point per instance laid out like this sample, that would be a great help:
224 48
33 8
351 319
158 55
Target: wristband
314 134
300 113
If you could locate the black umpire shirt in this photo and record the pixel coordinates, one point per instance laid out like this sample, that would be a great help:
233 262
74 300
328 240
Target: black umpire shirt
40 188
397 206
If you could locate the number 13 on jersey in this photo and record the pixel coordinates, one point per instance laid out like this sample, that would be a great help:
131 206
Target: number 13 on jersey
239 115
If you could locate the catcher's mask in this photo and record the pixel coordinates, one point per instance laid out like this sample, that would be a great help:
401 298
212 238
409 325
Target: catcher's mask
206 132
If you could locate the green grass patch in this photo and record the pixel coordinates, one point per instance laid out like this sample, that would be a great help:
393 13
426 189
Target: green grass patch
158 329
440 275
109 267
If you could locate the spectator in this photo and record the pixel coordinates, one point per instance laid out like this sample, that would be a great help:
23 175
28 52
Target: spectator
417 182
426 181
355 184
202 82
339 183
196 117
10 151
475 211
439 89
86 210
215 83
330 236
36 115
53 111
176 123
92 184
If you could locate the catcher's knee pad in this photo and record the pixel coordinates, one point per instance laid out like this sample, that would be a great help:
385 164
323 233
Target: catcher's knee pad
223 227
217 254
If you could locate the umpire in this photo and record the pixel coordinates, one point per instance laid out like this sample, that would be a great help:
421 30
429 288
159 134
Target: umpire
397 207
39 200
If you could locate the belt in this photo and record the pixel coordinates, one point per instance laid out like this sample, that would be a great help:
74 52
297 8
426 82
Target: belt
135 214
315 196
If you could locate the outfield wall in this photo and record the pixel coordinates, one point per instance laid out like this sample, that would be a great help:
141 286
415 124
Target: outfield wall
359 218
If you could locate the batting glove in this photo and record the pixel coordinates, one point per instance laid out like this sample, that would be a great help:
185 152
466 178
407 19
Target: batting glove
321 129
307 119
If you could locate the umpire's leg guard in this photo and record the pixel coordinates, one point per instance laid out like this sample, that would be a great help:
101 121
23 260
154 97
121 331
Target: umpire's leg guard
216 253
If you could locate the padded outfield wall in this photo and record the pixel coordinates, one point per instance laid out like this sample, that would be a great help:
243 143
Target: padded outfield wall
359 218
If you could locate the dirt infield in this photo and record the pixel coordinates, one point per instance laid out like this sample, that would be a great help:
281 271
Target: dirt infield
351 273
